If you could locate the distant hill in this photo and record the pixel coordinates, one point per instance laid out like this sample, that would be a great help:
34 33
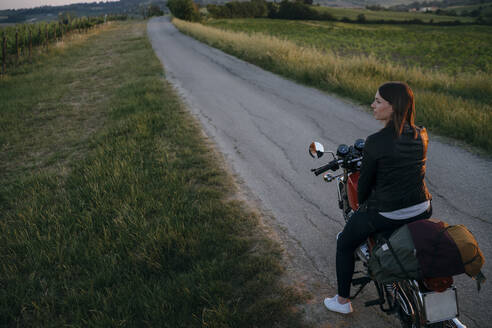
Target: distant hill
400 3
359 3
382 3
50 13
137 7
364 3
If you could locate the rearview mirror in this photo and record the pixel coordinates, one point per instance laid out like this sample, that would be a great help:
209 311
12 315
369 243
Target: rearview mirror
316 149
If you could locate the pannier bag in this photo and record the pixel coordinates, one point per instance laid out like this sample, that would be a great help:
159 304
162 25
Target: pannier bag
426 249
437 253
394 259
471 254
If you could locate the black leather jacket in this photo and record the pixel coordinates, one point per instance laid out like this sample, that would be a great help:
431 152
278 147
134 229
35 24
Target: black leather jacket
393 169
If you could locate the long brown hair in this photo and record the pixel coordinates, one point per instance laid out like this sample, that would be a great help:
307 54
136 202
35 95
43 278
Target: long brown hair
401 98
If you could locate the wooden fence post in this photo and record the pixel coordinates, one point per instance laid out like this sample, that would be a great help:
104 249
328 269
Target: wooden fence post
4 53
46 44
30 45
17 46
61 31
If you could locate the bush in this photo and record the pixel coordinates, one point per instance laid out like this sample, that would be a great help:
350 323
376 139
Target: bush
235 9
272 8
326 16
184 9
374 7
260 8
66 17
154 10
296 10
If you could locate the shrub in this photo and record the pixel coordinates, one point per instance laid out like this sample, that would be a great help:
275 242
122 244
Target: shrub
415 21
295 10
184 9
326 16
66 17
155 10
260 8
374 7
272 8
235 9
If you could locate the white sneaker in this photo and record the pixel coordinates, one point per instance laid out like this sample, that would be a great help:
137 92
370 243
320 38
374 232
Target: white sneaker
333 305
331 299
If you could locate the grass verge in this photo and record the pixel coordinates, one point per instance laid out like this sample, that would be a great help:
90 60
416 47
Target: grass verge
447 49
455 106
114 211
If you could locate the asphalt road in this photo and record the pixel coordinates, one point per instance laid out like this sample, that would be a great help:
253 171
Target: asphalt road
263 125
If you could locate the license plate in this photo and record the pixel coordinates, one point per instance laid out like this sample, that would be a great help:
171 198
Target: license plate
440 306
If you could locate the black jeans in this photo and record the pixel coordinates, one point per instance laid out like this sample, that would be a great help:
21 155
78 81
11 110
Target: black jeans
355 232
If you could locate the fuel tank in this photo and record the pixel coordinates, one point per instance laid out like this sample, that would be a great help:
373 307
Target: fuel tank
353 179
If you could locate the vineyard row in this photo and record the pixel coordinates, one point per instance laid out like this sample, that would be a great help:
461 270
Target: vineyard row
18 41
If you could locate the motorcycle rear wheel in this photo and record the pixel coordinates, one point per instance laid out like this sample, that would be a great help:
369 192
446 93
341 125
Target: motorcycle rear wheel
408 311
444 324
409 317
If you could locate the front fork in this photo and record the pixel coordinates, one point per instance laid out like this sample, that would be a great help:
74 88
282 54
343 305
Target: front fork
343 202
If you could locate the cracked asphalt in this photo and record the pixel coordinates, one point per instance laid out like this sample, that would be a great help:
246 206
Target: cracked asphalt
263 125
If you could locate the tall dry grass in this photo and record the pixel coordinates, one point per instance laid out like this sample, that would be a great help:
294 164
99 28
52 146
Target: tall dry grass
455 106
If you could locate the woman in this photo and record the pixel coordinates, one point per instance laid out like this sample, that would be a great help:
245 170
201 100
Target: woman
391 182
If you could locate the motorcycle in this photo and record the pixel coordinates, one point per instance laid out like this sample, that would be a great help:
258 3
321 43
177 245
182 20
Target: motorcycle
414 303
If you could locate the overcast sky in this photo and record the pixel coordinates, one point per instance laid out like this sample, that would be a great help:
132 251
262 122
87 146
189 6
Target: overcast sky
16 4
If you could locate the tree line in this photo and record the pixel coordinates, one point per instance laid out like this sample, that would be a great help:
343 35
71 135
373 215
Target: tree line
294 10
299 9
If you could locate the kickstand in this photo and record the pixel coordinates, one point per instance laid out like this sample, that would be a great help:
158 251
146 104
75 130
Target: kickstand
362 282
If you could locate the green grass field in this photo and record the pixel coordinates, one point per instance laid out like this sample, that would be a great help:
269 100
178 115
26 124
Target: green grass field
113 209
372 15
453 98
486 8
450 49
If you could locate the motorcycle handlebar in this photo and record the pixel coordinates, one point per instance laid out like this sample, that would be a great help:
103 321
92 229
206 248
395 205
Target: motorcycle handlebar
333 165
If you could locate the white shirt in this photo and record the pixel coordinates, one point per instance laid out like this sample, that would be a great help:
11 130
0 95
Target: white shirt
407 212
